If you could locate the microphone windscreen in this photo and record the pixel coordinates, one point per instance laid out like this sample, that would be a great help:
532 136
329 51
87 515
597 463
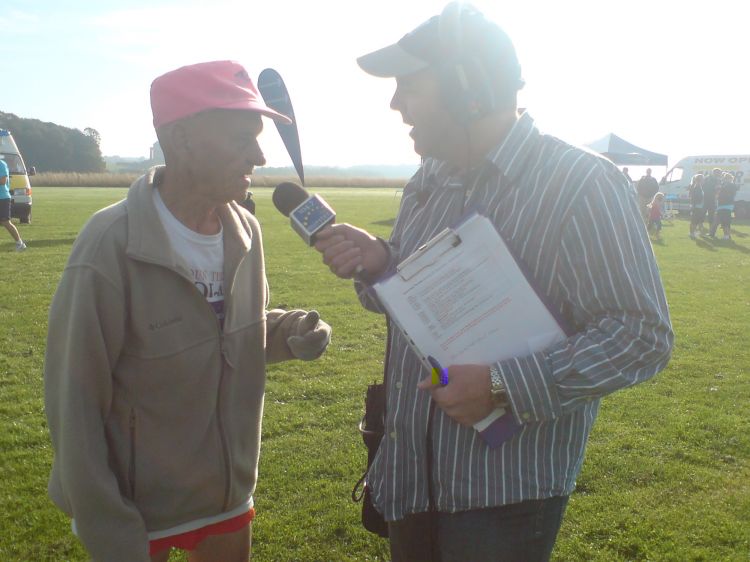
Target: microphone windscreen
288 196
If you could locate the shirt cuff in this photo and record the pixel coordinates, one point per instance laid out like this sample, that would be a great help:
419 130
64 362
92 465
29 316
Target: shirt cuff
390 265
363 283
531 388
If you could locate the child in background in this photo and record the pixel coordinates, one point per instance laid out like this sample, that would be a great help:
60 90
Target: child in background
654 214
697 207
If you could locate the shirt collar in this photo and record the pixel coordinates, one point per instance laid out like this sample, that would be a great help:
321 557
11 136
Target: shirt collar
509 156
512 154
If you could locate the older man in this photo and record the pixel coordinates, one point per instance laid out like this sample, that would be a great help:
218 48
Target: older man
571 220
159 336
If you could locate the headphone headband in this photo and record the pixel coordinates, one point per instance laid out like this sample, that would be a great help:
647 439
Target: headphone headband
466 86
449 28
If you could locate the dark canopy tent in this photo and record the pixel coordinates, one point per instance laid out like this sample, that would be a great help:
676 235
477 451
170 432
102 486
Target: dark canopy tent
622 153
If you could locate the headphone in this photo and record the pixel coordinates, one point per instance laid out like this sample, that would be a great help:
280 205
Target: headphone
465 84
463 80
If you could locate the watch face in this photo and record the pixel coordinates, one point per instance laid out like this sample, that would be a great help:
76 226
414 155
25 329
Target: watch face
499 394
495 379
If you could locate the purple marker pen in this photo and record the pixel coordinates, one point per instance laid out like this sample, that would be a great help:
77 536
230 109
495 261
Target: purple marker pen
439 373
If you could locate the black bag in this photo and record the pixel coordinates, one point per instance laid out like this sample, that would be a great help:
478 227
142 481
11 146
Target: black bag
372 428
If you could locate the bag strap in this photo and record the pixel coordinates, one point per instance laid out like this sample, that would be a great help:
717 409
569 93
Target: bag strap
358 491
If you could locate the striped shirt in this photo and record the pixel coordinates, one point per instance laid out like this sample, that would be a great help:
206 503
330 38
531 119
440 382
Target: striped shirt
571 217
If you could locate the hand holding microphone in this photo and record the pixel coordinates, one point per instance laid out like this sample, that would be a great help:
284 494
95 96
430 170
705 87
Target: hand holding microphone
348 251
351 252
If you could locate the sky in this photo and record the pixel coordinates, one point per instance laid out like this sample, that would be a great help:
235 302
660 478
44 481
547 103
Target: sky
669 76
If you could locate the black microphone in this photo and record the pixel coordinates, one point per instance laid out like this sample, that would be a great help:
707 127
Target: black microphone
308 214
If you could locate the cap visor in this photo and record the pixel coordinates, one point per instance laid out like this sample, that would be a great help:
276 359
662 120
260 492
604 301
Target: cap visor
391 61
276 116
259 107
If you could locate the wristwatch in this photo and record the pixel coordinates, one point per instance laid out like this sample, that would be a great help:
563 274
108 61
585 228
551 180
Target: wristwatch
499 392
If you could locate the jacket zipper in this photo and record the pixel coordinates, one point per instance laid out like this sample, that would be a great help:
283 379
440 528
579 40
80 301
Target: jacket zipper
220 422
131 467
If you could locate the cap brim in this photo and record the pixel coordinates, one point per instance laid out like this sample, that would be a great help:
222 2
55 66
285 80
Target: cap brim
275 115
261 108
391 61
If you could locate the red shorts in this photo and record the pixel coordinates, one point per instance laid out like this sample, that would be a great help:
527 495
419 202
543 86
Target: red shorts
191 539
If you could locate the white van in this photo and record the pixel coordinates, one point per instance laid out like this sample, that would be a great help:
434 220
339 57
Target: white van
20 187
674 185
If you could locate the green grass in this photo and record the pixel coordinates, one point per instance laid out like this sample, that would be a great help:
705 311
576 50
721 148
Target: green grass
667 473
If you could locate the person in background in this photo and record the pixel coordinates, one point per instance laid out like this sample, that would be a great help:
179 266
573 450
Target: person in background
5 203
697 210
571 219
647 188
724 206
159 336
248 202
710 186
655 214
627 175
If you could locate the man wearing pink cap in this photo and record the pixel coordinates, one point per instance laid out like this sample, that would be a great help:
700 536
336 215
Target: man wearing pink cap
158 339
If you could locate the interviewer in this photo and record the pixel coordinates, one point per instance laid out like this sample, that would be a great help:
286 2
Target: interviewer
571 219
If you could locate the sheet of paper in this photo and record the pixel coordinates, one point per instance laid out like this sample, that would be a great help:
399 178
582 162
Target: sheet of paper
468 302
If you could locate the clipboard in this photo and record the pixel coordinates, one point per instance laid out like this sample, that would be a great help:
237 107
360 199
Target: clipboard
462 298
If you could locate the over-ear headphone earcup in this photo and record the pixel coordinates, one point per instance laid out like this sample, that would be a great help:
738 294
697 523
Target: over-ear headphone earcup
466 89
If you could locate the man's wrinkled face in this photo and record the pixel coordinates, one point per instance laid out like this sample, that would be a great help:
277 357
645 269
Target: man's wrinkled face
419 100
222 150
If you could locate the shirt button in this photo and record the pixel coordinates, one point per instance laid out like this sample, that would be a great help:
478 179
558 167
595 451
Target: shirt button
398 384
393 434
525 415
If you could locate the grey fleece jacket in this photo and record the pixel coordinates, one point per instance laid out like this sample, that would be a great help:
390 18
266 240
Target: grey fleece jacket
154 410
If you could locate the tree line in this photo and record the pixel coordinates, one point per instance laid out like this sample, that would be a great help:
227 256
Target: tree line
53 148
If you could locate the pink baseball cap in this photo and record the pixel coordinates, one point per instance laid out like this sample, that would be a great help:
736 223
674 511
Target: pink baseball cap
207 85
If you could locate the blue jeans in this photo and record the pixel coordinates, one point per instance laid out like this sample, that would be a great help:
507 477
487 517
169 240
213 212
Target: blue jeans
521 532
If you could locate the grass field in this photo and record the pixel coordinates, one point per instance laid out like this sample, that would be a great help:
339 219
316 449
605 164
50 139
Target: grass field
667 473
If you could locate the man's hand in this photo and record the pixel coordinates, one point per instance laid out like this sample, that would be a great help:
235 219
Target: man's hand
312 337
347 250
467 397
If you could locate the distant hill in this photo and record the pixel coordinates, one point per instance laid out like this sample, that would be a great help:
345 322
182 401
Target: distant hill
127 164
124 164
403 171
54 148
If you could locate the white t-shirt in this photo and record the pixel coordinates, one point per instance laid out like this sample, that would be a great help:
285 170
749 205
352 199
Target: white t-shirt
204 254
